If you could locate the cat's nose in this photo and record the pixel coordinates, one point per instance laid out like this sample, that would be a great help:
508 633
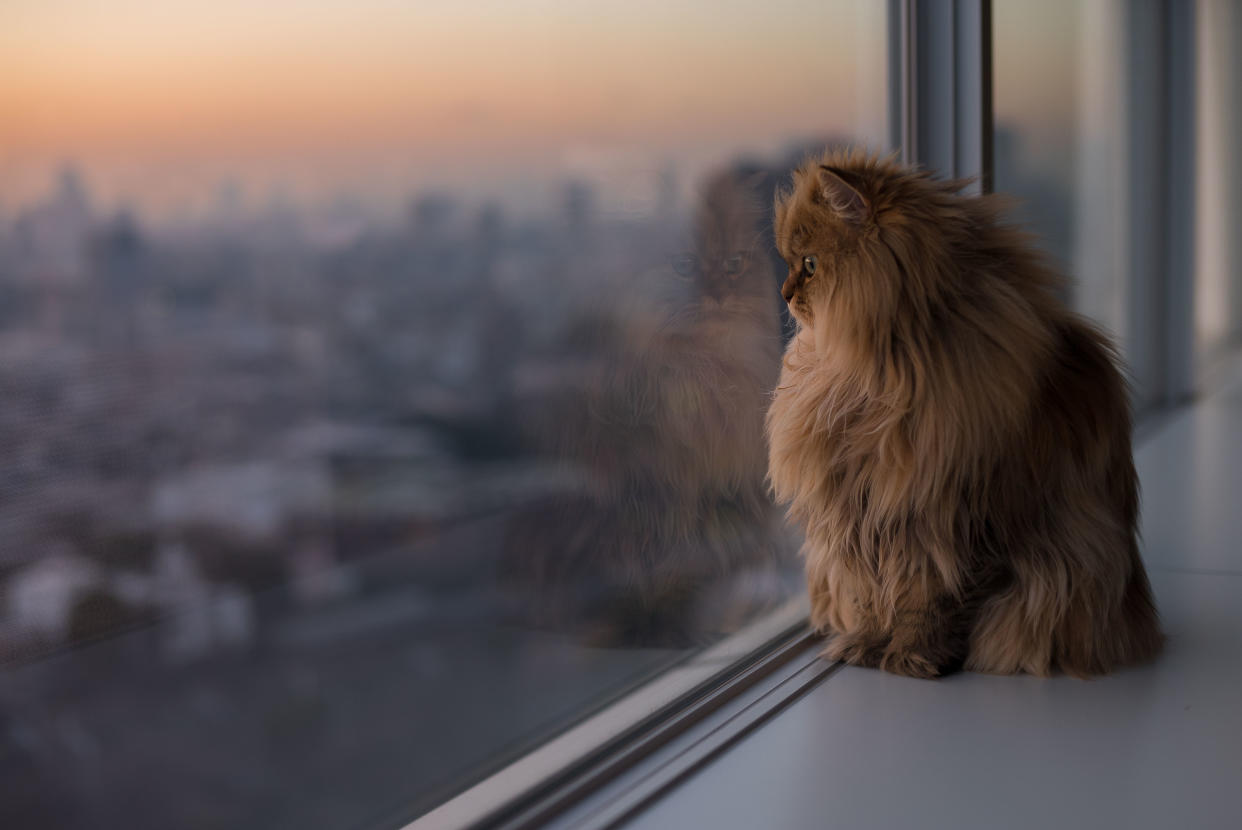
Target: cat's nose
787 290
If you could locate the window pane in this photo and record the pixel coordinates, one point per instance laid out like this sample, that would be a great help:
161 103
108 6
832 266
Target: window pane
1037 116
1077 139
383 382
1218 182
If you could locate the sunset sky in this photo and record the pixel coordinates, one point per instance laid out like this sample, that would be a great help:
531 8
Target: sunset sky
158 100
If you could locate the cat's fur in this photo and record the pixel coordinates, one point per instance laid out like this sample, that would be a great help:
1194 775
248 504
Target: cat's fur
954 441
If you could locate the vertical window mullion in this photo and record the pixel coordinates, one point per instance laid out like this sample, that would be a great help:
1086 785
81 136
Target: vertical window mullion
945 86
1178 273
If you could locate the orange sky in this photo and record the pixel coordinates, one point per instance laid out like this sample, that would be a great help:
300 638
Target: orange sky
240 85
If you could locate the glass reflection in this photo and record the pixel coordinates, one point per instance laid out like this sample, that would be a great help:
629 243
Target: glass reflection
664 532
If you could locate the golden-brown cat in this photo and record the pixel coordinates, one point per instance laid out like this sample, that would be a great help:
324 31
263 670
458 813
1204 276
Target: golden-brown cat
954 441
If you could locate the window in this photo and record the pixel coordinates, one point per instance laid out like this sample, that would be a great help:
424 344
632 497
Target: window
365 370
1062 147
1109 133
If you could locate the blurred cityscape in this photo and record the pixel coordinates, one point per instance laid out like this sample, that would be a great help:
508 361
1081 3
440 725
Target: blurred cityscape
287 479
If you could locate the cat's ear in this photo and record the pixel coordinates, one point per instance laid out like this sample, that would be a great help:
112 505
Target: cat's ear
841 196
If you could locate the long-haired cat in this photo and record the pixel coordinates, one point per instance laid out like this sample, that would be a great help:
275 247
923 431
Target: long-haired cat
954 441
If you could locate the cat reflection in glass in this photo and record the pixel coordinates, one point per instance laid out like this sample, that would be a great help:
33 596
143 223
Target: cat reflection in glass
953 440
670 536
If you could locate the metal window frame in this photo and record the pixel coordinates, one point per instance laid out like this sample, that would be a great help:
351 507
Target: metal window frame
941 118
1157 192
941 65
670 715
1176 293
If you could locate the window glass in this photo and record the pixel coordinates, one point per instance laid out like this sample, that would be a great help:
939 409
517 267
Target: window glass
1077 138
1037 91
382 382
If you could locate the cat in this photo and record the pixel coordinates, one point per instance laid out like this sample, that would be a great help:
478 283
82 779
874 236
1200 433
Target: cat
665 434
954 441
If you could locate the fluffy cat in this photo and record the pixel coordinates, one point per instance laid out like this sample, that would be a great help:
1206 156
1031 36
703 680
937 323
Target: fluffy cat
954 441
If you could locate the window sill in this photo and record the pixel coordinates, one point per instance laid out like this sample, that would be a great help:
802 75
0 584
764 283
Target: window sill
665 714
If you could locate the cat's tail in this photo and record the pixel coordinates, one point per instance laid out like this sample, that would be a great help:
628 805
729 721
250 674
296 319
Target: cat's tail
1085 645
1058 615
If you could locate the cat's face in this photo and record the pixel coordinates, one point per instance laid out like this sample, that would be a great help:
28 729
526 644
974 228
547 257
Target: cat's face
820 228
874 248
725 264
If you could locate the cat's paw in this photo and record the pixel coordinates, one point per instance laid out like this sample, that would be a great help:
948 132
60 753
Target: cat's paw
855 649
910 664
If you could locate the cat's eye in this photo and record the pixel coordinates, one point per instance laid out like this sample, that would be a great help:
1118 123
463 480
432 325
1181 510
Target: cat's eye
733 265
687 265
809 264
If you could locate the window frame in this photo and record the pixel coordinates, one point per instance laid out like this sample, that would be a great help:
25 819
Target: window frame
583 759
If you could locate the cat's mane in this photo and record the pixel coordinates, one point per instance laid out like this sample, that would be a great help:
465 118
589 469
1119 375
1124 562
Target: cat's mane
902 422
